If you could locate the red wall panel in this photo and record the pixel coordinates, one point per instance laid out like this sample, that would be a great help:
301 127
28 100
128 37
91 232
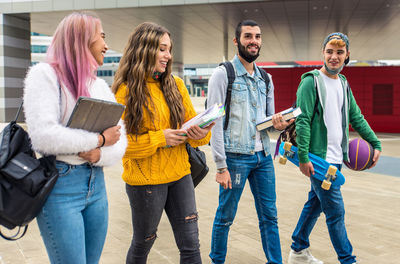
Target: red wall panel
361 80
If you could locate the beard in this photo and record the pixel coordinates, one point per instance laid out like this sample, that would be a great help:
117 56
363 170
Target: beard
246 55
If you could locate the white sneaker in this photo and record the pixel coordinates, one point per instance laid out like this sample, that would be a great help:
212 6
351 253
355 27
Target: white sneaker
302 257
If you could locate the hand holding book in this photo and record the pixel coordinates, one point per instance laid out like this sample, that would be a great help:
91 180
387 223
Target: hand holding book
207 117
111 135
279 120
196 132
280 123
174 137
197 127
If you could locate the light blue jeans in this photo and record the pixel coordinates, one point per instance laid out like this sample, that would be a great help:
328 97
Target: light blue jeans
73 222
331 203
259 170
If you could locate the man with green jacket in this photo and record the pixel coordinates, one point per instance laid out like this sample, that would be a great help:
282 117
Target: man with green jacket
326 134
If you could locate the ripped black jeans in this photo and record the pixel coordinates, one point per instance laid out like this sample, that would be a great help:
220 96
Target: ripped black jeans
148 203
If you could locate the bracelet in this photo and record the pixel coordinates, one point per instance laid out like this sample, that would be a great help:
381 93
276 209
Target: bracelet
104 140
222 170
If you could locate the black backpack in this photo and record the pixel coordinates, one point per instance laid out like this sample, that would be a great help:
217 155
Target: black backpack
25 181
230 71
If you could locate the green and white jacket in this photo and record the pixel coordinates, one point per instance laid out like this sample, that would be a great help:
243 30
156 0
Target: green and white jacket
312 135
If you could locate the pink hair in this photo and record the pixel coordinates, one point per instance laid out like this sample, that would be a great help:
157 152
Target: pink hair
69 52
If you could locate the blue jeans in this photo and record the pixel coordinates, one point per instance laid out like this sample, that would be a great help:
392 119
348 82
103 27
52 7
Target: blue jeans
259 170
331 204
148 203
73 221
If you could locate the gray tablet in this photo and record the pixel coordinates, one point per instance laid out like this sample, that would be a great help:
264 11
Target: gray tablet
95 115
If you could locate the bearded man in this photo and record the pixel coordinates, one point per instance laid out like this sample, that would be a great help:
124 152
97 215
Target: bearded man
240 151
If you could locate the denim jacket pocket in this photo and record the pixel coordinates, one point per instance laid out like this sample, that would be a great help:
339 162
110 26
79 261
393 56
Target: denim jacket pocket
239 93
239 104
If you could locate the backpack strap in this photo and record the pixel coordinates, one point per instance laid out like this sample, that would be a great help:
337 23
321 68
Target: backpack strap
265 77
316 102
18 112
17 236
230 71
278 142
294 105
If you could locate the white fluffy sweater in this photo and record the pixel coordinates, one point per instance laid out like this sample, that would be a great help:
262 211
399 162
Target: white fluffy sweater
46 119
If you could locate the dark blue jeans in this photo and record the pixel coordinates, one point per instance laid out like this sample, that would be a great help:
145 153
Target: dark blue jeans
259 170
148 203
331 203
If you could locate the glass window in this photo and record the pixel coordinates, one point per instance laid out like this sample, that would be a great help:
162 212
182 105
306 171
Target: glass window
38 49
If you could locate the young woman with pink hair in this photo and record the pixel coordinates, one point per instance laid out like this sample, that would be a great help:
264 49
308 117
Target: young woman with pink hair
74 219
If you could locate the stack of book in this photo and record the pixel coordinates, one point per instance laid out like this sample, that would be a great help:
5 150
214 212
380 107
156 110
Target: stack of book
205 118
286 115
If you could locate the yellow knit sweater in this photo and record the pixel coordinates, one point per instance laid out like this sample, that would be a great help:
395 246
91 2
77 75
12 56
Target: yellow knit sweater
146 160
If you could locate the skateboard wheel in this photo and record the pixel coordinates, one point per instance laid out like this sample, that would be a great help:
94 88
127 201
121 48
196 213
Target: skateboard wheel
287 146
326 185
282 160
332 170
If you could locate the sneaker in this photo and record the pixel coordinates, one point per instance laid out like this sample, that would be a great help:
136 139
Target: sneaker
302 257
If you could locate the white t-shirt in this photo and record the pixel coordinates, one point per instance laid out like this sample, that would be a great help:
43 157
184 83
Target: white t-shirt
258 144
333 118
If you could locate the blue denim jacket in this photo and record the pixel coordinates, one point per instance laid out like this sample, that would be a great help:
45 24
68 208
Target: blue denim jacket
248 105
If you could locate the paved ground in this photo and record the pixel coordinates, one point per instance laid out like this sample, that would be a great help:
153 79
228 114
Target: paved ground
372 201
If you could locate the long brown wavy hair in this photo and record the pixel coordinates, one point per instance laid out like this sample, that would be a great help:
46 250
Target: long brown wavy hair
136 65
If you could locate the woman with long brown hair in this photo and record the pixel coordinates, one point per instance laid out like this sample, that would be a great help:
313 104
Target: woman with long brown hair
156 166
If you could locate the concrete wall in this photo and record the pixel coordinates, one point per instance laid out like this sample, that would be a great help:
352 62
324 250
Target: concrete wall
15 58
